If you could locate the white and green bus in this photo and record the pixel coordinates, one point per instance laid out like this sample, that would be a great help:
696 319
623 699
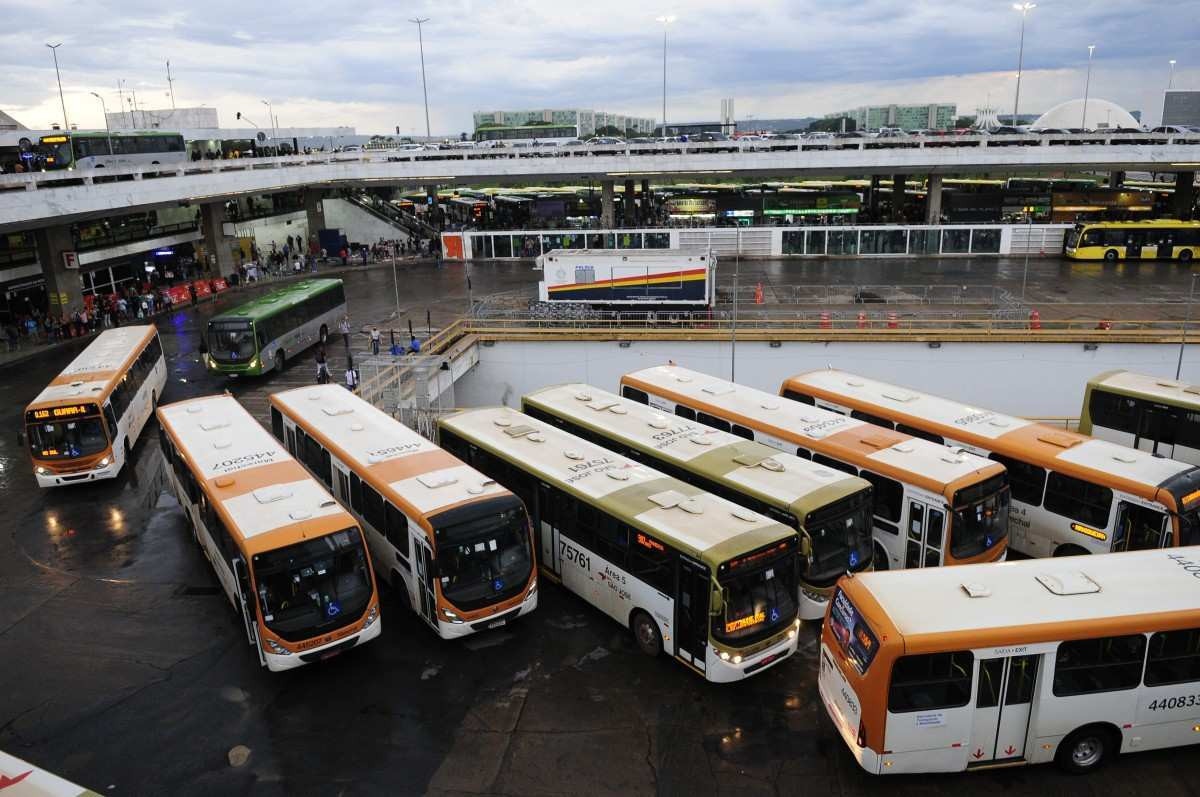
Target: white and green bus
712 583
1149 413
263 333
97 149
831 509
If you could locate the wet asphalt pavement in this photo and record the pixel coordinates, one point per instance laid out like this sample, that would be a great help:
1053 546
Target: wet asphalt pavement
124 668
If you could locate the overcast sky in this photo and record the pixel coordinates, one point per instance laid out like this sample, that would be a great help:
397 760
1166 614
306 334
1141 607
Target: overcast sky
357 63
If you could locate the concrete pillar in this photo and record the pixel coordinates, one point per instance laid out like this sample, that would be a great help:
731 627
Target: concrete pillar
1116 179
646 202
933 200
217 245
628 202
898 198
873 199
314 212
431 204
1185 195
64 288
607 214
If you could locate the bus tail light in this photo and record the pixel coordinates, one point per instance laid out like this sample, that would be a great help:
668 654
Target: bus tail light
862 734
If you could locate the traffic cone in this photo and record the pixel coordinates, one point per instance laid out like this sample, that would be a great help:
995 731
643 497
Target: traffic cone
826 321
862 320
758 294
1035 319
892 321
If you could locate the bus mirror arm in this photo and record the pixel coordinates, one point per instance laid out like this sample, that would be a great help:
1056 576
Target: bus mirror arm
716 606
806 547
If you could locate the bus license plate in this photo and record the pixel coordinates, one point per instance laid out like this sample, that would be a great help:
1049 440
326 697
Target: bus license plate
496 623
329 655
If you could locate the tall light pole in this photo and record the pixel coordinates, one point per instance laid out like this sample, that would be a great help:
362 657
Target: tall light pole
121 98
419 21
666 20
1087 85
737 272
1024 8
107 129
1171 76
58 77
271 119
1186 320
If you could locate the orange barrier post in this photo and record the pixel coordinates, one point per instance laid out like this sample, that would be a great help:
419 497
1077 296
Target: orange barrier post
1035 319
826 321
892 321
758 294
862 320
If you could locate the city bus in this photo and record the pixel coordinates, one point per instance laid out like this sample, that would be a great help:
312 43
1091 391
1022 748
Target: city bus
1161 239
1071 494
1148 413
290 560
830 509
262 334
710 582
84 424
97 149
1020 663
452 541
933 505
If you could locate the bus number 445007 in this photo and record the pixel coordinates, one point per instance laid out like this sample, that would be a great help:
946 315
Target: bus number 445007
573 554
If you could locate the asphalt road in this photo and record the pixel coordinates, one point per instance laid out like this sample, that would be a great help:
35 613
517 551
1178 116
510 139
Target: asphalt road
122 666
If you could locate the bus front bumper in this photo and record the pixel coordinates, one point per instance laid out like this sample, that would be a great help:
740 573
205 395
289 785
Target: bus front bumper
51 479
720 671
276 662
452 630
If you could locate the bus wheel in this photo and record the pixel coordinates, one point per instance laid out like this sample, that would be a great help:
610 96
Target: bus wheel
324 334
1070 550
881 561
1110 255
645 632
279 360
1086 749
1185 256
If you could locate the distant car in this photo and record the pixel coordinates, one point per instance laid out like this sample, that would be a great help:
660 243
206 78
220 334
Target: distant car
411 147
1008 130
1175 130
573 143
891 132
641 140
352 148
606 140
1051 131
818 135
849 134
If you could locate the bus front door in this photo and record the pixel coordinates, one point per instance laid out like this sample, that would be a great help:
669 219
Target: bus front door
691 613
245 605
924 545
1166 247
1156 430
547 534
1003 701
1139 528
1133 246
424 560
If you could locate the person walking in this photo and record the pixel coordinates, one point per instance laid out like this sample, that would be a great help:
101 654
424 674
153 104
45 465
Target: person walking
374 340
344 328
322 366
351 377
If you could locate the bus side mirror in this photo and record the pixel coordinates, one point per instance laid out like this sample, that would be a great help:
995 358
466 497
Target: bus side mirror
806 547
716 606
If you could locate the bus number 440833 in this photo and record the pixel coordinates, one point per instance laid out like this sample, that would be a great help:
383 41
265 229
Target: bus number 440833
1169 703
573 554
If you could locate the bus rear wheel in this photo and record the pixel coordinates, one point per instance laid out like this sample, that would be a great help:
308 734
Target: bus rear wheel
279 360
1086 749
1111 255
646 633
324 334
1185 256
1070 550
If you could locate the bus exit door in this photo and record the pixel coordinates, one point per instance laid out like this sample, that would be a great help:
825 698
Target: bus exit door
924 545
1003 702
691 613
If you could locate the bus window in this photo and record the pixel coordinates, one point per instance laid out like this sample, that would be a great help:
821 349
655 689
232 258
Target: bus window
1107 664
931 682
1174 657
277 424
684 412
797 396
889 495
742 431
1026 481
1138 528
713 421
634 394
836 464
1078 500
921 433
1113 412
991 673
875 419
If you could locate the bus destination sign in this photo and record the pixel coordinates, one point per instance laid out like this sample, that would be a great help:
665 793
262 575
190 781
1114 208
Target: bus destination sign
60 413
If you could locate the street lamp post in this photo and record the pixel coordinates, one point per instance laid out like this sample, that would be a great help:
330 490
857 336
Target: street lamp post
419 21
1087 85
58 77
271 119
1171 76
1024 8
737 272
107 129
665 19
1187 319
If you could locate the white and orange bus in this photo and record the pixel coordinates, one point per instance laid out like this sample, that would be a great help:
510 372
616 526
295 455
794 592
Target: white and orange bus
1024 662
84 425
1071 494
291 561
933 505
457 545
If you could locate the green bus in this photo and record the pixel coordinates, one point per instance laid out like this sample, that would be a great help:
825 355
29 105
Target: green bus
97 149
263 333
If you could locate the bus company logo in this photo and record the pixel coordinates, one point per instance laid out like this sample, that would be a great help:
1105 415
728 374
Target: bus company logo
849 700
974 418
823 426
245 461
666 437
394 451
582 470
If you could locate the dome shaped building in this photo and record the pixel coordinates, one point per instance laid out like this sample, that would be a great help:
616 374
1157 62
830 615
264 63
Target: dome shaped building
1101 114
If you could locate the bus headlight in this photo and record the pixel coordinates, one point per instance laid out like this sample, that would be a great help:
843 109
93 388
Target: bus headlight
372 616
532 589
737 658
274 647
41 471
452 617
724 655
104 462
254 362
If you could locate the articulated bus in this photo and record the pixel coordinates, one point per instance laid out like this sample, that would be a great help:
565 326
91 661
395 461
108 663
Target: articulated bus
260 335
712 583
1149 413
831 510
1071 494
96 149
1158 239
455 543
84 425
291 561
933 505
1019 663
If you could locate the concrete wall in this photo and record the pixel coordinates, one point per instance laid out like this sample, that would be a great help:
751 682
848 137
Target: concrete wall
273 229
1037 380
358 225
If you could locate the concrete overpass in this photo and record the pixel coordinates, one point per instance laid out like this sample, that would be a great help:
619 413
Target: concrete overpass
49 201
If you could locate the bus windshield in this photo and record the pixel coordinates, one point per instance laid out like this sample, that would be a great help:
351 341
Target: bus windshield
485 559
315 586
56 153
1189 527
230 341
759 601
980 517
841 538
67 439
1073 236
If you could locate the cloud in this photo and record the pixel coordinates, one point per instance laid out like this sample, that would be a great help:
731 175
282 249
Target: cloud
361 66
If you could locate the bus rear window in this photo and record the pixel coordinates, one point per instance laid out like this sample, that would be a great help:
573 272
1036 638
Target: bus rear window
855 637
